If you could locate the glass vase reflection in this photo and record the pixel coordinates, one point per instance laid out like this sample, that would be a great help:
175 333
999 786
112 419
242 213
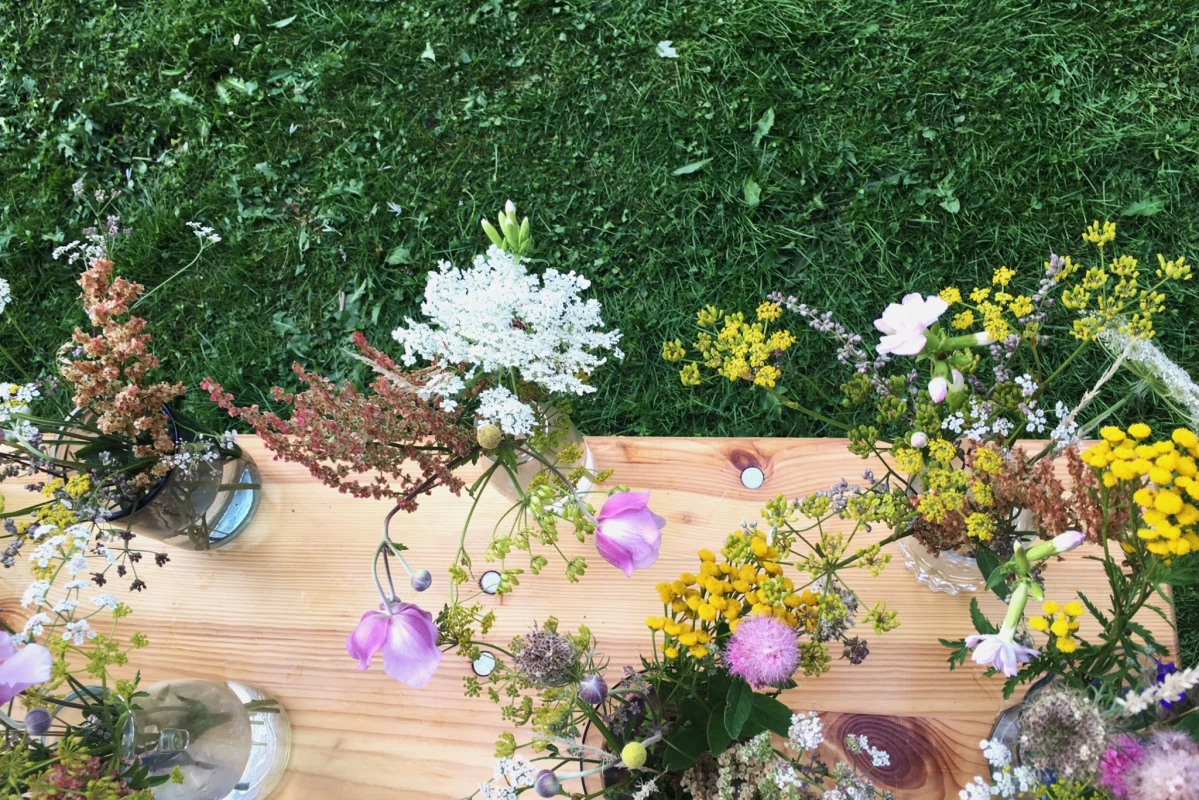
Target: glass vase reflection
228 741
513 482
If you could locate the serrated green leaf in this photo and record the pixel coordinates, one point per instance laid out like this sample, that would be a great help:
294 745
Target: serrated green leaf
738 704
694 166
1144 208
1095 612
981 623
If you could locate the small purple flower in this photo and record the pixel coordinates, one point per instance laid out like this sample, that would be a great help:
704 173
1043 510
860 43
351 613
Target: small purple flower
628 535
21 668
999 650
37 721
406 635
546 784
763 652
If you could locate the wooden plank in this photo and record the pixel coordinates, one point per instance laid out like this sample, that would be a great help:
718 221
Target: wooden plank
274 608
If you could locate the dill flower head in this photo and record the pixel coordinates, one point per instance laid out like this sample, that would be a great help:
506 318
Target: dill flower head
763 652
545 657
1064 731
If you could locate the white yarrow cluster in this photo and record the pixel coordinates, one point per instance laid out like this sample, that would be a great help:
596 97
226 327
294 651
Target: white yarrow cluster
977 423
806 731
15 398
1172 686
1007 783
1066 432
497 317
5 295
516 772
204 233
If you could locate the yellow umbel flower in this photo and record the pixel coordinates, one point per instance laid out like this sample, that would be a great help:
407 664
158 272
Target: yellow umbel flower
673 351
1177 270
951 295
979 295
980 526
689 375
963 320
769 312
1003 276
1100 236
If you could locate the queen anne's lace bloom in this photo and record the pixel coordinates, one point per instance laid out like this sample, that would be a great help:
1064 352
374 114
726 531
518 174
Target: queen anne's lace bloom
496 316
499 406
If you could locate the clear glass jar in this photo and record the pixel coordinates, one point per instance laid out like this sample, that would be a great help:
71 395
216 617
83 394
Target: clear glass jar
947 571
228 740
203 506
527 467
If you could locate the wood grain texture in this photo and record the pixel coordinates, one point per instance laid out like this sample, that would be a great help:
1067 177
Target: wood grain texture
273 609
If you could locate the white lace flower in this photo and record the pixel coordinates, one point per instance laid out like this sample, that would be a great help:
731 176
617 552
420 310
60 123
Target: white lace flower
496 316
77 564
35 594
35 625
5 295
65 606
646 790
105 601
499 406
1147 361
976 790
1027 384
665 50
78 632
996 752
879 758
518 771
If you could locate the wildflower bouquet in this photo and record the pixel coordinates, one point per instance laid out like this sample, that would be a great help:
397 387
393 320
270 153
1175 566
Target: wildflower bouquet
1112 706
953 381
697 717
485 377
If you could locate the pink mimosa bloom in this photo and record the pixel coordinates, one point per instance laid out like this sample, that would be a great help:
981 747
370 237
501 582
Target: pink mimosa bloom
21 668
406 635
904 323
1000 651
628 535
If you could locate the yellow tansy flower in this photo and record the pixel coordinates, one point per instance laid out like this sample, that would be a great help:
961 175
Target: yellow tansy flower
1059 628
1039 624
1074 609
1139 430
1051 608
1066 645
1112 434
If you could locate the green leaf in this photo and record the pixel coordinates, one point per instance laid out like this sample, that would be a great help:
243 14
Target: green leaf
1145 208
981 623
958 657
1183 572
1189 725
990 566
283 23
951 204
694 166
684 749
739 703
763 125
718 737
1147 635
771 714
399 255
1099 617
752 192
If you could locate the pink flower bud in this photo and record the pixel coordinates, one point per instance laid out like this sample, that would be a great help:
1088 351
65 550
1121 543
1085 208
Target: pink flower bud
938 389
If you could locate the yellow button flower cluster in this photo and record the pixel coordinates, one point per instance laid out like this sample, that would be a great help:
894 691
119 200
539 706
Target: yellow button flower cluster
697 602
1164 480
1060 622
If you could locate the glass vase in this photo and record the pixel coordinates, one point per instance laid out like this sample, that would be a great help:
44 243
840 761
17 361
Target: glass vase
228 740
527 466
204 505
947 571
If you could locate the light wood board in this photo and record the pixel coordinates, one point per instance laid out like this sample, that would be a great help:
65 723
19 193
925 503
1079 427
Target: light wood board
273 609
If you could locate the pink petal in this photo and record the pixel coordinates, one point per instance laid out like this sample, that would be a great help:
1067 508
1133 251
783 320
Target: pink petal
7 648
883 327
368 638
630 541
623 502
410 654
938 389
907 343
31 665
934 307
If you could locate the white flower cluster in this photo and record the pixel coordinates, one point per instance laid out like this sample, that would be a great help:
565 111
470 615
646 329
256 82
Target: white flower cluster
15 398
1170 688
1148 362
1027 384
499 406
204 233
5 295
1008 783
806 731
445 385
1066 432
977 423
496 317
516 772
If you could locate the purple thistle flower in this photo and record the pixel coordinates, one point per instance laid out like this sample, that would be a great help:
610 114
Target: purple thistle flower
763 652
1122 754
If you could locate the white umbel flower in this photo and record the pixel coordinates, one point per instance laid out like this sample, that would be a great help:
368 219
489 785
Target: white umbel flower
500 407
496 316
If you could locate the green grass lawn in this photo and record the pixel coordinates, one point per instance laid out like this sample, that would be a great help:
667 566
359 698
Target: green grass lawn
913 144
